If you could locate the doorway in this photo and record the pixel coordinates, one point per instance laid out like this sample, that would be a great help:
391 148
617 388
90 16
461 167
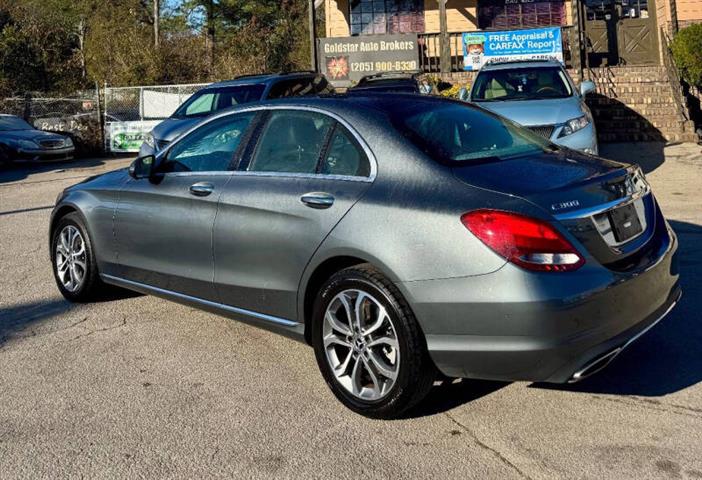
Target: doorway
621 32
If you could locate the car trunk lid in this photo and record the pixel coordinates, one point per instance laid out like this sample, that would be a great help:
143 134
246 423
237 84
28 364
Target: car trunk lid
606 205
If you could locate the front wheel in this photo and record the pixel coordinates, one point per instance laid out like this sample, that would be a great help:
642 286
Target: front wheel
368 344
73 259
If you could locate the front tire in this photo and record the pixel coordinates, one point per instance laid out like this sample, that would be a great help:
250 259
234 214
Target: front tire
73 260
368 344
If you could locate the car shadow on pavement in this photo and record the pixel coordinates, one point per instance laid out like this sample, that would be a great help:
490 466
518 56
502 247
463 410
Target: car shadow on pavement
20 171
18 320
450 394
668 358
648 155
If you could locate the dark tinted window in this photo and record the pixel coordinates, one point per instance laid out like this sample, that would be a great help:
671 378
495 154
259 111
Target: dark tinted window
453 132
344 156
210 148
521 84
507 15
300 86
10 123
291 142
210 100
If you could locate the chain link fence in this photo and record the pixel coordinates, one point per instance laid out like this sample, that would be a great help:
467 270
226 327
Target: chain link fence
131 112
77 116
109 120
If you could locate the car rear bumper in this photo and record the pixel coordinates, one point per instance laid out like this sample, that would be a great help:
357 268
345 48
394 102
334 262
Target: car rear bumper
513 325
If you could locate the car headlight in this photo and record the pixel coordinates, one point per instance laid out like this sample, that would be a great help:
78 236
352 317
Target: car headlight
27 144
574 125
150 141
68 142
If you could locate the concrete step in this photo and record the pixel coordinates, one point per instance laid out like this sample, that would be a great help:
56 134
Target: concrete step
644 124
633 99
605 137
638 78
634 88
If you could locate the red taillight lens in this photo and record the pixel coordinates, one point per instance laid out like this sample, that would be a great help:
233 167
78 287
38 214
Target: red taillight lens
528 242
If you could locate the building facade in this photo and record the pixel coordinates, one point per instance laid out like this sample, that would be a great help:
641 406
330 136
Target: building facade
595 33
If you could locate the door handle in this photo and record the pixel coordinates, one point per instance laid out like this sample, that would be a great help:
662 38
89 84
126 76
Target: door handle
317 200
201 189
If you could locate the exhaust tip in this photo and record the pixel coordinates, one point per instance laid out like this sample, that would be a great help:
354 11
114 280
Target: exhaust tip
595 365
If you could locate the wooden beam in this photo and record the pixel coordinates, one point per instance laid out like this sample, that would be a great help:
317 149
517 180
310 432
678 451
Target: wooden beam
444 46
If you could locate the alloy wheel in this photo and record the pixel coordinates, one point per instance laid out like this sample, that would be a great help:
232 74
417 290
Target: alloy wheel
71 258
361 344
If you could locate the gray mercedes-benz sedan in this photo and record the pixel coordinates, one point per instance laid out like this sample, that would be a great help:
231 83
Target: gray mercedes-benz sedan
401 236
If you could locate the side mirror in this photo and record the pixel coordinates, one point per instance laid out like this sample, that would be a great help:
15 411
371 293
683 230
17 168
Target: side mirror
587 87
142 167
463 94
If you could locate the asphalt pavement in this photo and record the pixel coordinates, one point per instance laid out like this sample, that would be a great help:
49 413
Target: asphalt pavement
138 387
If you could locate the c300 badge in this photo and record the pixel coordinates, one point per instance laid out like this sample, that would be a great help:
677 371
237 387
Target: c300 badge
564 205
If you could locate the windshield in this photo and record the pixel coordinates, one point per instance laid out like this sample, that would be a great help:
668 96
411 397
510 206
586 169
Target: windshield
10 123
210 100
521 84
458 133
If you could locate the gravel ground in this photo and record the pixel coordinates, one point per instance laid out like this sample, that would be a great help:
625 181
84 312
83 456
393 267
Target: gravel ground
141 387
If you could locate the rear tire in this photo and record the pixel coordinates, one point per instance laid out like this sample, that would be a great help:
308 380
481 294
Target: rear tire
73 260
374 358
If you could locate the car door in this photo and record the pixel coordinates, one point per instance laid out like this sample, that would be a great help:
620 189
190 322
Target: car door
305 171
163 225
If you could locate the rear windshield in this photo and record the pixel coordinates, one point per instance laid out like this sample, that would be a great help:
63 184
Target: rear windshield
453 132
9 123
210 100
521 84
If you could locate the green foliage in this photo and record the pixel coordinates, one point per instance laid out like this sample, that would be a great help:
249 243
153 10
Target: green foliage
65 45
687 53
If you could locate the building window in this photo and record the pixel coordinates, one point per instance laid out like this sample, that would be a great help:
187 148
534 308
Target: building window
386 16
511 14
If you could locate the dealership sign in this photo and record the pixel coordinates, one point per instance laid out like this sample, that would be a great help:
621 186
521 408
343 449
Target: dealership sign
124 137
345 60
480 48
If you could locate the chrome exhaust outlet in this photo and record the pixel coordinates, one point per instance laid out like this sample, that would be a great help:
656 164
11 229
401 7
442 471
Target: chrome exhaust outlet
595 365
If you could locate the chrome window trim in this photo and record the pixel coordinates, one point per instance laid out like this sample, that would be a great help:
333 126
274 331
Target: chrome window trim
169 293
213 173
243 173
256 108
345 178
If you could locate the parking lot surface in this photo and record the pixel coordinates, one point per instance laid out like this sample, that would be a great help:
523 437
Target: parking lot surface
140 387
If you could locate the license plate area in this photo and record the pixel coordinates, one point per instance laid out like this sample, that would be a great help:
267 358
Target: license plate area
625 223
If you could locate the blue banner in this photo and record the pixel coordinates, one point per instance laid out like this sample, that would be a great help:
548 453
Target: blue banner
480 48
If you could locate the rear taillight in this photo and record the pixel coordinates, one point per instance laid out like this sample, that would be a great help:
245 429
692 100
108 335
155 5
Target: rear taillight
528 242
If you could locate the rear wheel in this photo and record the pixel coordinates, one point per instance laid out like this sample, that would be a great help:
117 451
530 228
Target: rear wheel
73 260
368 345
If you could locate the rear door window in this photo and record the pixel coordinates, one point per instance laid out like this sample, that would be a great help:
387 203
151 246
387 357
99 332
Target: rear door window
344 156
291 142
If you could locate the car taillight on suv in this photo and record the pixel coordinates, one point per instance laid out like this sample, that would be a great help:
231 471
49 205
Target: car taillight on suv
528 242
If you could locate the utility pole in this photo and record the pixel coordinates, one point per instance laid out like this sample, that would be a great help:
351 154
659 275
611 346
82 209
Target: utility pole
313 34
157 19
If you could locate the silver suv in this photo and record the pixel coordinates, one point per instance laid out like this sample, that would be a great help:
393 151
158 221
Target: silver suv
218 96
541 96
